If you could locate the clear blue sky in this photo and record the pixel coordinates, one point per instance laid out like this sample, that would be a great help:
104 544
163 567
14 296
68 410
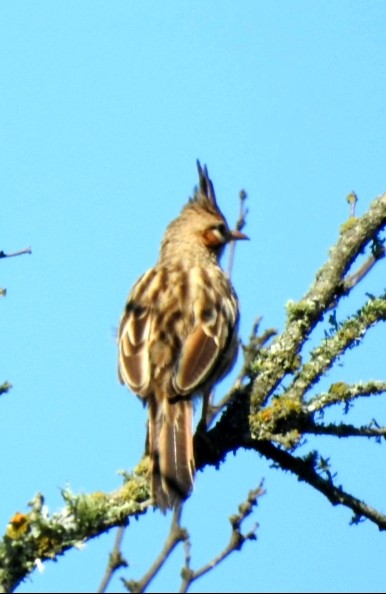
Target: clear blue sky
104 108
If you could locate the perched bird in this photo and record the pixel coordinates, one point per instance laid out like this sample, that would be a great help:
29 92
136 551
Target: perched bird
178 337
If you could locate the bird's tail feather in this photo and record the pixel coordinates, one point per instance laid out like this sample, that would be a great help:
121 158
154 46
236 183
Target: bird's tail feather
171 451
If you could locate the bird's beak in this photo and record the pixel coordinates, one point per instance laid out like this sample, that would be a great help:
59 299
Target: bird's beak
238 235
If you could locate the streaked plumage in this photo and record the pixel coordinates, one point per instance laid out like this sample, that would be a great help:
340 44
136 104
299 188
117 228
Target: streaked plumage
178 336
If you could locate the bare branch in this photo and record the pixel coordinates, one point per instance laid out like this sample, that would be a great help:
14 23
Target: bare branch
236 541
212 410
240 224
344 430
304 469
255 343
26 250
116 561
352 199
351 281
176 535
5 387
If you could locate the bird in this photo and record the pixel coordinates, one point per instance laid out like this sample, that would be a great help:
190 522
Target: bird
178 336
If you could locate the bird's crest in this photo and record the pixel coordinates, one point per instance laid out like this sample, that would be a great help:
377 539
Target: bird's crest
204 194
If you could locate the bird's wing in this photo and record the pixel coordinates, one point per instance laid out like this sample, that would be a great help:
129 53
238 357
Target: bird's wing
205 349
133 338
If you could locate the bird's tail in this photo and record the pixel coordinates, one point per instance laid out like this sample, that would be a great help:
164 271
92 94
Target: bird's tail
171 451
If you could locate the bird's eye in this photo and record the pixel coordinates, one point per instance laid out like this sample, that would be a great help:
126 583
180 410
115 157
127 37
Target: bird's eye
216 236
221 229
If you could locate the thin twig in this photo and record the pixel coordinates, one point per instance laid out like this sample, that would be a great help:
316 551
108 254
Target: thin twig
323 356
344 430
240 224
305 470
212 410
116 561
255 343
236 541
176 535
353 279
352 199
341 392
26 250
304 316
5 387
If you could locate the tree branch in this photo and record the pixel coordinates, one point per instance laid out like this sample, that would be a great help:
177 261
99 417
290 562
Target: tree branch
351 281
341 392
37 536
5 387
305 315
344 430
26 250
236 541
305 471
240 224
351 332
176 535
116 561
250 414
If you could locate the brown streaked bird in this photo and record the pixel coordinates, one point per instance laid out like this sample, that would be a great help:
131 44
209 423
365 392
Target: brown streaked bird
178 337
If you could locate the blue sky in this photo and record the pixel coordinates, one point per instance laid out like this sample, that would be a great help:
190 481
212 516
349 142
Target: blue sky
104 108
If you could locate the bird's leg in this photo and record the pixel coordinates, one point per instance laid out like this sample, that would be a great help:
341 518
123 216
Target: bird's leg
206 414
